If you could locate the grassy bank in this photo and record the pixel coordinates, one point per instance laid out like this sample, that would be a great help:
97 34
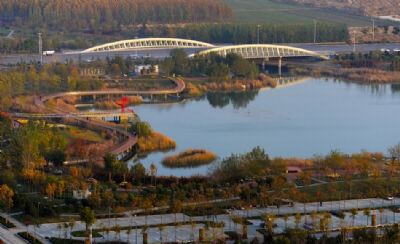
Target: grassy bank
189 158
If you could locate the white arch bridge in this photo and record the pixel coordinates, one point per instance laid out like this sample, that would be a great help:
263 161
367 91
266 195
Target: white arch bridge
248 51
262 51
148 43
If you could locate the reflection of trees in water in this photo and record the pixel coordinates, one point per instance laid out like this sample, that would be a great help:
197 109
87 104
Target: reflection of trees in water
395 88
237 99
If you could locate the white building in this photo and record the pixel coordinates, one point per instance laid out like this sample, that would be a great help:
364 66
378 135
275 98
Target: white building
147 69
81 194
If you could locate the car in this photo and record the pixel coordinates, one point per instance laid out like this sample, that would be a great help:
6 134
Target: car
308 226
134 56
389 198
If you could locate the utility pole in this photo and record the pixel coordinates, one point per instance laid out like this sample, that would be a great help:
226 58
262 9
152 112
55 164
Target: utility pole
258 34
373 29
315 31
40 42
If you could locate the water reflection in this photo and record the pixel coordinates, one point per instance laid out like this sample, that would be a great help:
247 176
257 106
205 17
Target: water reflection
241 99
395 88
237 99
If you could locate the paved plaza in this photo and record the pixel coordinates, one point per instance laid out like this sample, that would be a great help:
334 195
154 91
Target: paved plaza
185 231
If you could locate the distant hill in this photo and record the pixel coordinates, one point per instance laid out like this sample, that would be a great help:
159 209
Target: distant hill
366 7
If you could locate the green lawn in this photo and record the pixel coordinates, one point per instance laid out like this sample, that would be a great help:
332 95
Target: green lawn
267 11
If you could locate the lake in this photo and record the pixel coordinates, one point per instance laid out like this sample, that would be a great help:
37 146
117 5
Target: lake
313 116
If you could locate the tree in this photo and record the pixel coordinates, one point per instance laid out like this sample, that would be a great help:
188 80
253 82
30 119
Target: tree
153 172
6 197
297 219
367 212
181 61
176 207
57 157
353 214
113 166
71 225
142 129
394 152
218 72
87 215
138 172
50 190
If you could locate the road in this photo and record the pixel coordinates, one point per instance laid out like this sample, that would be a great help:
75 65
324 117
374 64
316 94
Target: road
162 53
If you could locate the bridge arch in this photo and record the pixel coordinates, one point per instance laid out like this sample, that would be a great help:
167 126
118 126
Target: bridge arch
262 51
148 43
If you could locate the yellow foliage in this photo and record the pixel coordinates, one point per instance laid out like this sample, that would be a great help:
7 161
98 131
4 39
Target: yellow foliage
34 176
189 158
51 189
155 142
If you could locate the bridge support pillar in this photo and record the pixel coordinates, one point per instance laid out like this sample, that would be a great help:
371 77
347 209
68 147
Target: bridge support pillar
264 63
280 66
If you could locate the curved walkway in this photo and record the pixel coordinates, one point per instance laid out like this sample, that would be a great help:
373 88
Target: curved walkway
180 86
123 148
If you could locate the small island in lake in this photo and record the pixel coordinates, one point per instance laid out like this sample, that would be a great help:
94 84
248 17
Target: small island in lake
189 158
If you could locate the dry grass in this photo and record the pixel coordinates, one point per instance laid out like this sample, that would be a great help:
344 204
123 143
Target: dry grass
362 75
155 142
108 105
25 104
189 158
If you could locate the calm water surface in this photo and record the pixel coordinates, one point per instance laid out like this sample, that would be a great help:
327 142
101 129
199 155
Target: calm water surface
308 118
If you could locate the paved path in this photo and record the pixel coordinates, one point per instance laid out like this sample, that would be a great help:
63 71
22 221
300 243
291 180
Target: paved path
186 231
122 149
10 236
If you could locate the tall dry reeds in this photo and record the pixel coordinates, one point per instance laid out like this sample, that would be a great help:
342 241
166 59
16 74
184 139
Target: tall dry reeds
189 158
155 142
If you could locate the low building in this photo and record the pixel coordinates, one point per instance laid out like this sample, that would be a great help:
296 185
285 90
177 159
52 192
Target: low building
92 72
81 194
147 69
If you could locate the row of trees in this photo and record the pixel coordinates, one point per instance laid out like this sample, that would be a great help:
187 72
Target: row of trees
374 59
109 15
213 33
31 145
248 33
30 79
217 68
